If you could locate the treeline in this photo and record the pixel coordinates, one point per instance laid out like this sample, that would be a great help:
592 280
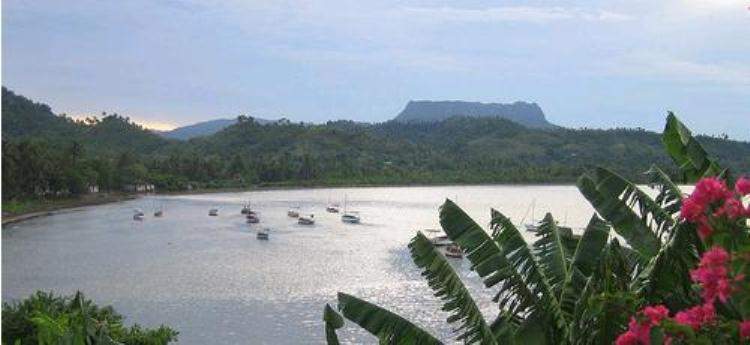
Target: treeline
47 154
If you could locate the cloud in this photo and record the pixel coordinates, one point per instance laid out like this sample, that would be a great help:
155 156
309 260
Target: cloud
514 13
652 65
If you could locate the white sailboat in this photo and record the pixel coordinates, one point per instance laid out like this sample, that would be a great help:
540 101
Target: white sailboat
306 220
532 226
351 217
293 212
138 214
263 234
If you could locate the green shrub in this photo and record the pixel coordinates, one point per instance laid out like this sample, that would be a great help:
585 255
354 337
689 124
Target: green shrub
45 318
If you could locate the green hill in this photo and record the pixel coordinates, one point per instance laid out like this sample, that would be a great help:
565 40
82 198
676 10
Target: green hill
113 152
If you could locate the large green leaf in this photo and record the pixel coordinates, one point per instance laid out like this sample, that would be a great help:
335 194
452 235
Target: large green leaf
586 258
666 278
551 249
520 256
611 195
487 260
670 196
605 303
448 286
333 321
387 326
686 152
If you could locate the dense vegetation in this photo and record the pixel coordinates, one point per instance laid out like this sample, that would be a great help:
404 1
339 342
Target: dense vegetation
47 154
44 319
683 276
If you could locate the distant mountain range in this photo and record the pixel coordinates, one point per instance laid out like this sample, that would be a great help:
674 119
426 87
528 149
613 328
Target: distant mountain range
422 145
202 129
523 113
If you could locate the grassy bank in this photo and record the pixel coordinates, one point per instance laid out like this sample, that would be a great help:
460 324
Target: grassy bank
14 211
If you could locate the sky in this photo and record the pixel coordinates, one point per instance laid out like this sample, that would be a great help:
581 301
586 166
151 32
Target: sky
596 64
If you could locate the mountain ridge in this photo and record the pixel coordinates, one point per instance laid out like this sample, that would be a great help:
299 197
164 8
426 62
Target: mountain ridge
524 113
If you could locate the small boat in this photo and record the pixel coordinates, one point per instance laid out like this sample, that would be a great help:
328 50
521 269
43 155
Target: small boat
332 207
350 217
263 234
252 218
309 220
532 226
441 241
213 212
245 209
438 238
158 212
453 251
293 212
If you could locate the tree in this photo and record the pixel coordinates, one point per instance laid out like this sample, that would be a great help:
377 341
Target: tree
562 288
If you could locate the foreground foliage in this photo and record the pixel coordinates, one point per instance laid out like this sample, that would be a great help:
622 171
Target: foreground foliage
569 289
46 319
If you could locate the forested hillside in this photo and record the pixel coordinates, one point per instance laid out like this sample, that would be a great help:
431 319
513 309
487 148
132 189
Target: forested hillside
47 153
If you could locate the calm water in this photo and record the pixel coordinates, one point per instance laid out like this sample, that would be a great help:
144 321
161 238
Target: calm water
209 277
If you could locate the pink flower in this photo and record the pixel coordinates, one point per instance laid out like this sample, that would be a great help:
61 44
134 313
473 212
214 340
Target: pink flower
627 338
692 210
710 189
641 330
716 256
732 209
656 313
704 230
745 329
712 275
742 186
697 316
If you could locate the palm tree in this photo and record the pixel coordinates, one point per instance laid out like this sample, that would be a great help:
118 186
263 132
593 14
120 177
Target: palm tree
562 288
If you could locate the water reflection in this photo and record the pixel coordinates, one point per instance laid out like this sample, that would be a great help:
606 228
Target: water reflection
213 281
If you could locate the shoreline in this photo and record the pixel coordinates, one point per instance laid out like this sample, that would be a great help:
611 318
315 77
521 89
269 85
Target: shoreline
358 185
54 207
49 208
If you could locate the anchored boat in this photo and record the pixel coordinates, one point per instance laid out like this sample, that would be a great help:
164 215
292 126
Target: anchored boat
252 218
263 234
351 217
306 220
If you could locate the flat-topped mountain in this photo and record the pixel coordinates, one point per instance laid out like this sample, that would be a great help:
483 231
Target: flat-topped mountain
527 114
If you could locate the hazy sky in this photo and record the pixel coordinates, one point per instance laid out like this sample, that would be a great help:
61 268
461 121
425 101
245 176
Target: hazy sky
593 64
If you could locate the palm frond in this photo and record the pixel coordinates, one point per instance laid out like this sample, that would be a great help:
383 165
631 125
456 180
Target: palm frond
520 256
666 278
389 327
550 249
333 321
608 195
504 327
686 152
670 195
586 258
604 304
487 259
448 286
